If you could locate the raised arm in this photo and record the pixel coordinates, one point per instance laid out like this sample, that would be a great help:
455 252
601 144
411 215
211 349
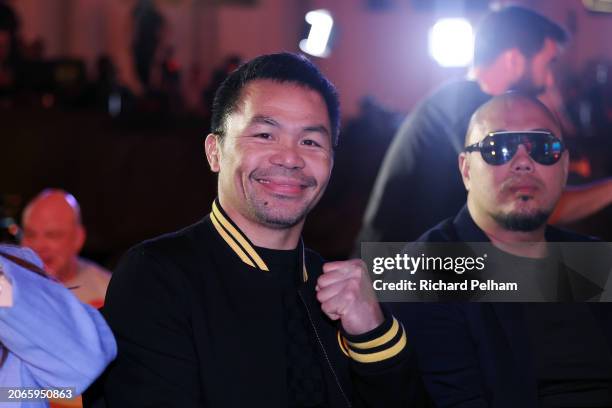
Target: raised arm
578 202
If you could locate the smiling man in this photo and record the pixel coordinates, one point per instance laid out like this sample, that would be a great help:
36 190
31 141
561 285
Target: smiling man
234 311
277 167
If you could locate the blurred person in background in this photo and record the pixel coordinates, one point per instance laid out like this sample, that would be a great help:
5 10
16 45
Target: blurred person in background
229 65
146 39
52 228
9 51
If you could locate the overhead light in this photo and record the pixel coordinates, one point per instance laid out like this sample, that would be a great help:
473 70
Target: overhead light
451 42
317 42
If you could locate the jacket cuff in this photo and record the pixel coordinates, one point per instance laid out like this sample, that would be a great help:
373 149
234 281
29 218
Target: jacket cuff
382 343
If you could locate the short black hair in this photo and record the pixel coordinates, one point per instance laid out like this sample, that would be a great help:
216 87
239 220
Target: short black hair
281 67
514 27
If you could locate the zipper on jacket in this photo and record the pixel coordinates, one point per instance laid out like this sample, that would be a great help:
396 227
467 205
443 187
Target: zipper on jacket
331 367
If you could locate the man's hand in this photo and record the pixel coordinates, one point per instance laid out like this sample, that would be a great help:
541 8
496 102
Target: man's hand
345 292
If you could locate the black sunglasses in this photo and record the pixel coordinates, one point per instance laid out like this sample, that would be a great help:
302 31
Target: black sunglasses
498 148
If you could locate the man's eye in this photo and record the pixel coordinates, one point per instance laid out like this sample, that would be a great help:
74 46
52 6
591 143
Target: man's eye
310 142
263 135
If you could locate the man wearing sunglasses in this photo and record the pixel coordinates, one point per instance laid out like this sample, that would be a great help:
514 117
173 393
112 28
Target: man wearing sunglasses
515 49
514 167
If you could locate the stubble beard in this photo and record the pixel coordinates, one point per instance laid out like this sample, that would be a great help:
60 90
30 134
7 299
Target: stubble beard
266 213
525 84
271 211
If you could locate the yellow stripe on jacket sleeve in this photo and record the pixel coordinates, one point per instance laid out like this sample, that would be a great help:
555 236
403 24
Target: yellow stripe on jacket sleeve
379 341
380 355
342 344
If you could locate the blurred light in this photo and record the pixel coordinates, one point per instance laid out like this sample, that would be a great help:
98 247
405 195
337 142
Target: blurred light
451 42
581 167
321 24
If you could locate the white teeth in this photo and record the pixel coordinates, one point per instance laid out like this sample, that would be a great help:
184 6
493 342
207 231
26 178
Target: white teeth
263 181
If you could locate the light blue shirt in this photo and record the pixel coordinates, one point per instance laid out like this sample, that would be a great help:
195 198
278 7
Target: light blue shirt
53 340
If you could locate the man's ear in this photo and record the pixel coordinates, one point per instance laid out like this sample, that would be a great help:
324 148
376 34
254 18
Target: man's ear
212 147
464 168
515 64
565 162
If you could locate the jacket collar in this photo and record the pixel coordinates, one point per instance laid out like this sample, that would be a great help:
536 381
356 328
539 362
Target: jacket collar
240 243
466 228
580 286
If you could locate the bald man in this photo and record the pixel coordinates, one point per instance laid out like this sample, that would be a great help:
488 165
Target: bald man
514 167
511 195
53 229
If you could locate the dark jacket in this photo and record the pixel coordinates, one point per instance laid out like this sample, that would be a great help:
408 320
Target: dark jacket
198 324
479 354
403 204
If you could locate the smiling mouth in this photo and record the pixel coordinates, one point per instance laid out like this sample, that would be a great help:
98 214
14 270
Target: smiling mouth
283 186
281 182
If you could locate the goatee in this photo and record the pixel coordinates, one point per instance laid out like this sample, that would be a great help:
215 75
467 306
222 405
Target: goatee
522 222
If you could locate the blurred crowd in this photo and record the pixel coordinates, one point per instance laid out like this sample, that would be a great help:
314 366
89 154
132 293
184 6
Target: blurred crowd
28 78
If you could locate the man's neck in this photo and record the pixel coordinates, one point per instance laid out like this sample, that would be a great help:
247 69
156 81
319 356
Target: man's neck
266 236
529 244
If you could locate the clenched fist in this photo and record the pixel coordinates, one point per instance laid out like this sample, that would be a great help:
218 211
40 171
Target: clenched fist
345 292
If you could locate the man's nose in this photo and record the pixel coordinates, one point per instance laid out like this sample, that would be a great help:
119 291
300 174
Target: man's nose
288 155
522 161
